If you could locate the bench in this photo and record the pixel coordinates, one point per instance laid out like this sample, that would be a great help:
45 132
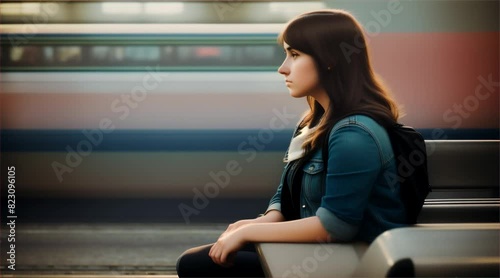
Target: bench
435 250
464 176
431 250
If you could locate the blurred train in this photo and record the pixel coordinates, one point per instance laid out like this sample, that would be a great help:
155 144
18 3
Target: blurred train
167 110
181 100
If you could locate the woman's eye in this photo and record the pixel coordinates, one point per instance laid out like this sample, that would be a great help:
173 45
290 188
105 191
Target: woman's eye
293 54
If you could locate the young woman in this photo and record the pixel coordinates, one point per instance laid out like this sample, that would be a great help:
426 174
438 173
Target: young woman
334 186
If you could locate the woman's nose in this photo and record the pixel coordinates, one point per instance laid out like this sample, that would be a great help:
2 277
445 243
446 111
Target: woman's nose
283 69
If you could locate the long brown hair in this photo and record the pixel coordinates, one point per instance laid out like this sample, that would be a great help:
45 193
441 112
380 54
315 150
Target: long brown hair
336 42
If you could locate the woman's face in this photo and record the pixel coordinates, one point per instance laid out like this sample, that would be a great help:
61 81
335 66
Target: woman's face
301 76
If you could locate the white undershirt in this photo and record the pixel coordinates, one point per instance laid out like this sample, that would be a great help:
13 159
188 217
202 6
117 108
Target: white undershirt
295 150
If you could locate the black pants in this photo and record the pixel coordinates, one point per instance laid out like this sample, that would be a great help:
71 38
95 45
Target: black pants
195 262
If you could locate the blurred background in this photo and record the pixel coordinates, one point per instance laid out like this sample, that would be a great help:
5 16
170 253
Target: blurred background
172 112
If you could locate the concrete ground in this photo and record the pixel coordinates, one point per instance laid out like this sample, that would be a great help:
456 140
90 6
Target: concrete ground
101 248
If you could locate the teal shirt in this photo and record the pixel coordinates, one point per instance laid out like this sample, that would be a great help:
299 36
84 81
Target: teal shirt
355 198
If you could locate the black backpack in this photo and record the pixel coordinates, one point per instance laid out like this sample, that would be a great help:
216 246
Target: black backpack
411 163
409 150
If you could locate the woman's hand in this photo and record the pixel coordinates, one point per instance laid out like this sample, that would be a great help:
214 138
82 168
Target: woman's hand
238 224
233 239
224 250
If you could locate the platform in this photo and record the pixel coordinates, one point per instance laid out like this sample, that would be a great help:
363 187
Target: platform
103 250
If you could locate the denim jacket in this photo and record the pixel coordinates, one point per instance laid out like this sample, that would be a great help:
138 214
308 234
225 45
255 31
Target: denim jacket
354 198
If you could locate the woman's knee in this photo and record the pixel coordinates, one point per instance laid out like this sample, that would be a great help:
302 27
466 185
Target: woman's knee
190 258
180 266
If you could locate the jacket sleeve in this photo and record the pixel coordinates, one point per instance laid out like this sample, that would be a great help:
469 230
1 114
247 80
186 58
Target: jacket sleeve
353 166
275 202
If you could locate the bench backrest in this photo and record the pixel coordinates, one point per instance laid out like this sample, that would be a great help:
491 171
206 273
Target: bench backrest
464 176
464 165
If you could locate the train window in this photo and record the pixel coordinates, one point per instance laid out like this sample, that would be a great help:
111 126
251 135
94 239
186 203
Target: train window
259 53
204 55
68 54
25 55
106 54
142 53
16 53
48 54
120 55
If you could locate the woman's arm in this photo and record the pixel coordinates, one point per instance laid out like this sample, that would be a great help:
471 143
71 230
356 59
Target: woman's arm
270 216
307 229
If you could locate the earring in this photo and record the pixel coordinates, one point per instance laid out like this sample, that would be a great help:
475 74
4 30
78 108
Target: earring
329 68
